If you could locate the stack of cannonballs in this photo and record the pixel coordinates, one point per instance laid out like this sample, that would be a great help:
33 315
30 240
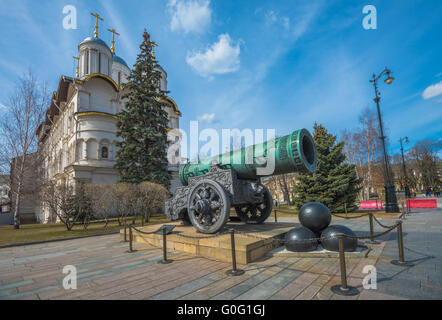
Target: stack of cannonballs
315 219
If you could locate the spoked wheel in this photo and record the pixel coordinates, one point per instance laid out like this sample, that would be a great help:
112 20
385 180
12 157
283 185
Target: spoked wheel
256 213
208 206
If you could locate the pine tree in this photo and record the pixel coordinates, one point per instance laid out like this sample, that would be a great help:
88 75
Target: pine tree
142 124
334 183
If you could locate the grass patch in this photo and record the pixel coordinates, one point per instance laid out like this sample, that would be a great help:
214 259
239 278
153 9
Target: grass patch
41 232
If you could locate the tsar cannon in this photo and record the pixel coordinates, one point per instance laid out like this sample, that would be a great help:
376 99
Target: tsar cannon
214 185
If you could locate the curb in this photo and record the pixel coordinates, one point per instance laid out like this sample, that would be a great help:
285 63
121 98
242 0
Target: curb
55 240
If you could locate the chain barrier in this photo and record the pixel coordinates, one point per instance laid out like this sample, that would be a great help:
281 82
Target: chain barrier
140 231
374 236
282 241
380 223
352 217
203 237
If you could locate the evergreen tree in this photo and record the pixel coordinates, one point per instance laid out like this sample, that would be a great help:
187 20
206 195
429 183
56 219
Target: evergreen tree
334 183
142 125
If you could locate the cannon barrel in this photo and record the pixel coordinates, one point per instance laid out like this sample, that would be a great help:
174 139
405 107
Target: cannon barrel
295 152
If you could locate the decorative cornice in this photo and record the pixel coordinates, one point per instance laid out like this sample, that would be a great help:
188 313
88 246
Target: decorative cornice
175 106
96 113
100 75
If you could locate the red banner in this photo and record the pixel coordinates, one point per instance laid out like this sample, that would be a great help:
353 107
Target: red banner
371 204
423 203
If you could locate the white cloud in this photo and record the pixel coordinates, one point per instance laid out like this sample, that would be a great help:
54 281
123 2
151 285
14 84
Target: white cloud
273 17
193 15
3 107
221 57
207 117
432 91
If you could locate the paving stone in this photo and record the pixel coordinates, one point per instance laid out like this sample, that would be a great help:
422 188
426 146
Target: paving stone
269 287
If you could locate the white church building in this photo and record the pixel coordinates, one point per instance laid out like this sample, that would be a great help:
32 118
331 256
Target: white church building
78 136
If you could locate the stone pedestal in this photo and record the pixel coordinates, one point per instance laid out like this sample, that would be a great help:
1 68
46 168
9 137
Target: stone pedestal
258 241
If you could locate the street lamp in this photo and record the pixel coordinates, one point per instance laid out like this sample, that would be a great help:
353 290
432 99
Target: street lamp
407 189
390 195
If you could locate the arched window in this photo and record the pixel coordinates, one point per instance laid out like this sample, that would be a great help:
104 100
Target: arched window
104 153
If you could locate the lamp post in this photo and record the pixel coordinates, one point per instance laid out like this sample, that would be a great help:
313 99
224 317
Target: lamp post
390 195
407 189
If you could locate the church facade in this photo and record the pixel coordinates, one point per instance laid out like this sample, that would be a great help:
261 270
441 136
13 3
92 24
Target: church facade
77 140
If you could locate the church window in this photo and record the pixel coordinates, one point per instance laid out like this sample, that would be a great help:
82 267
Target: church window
104 153
119 78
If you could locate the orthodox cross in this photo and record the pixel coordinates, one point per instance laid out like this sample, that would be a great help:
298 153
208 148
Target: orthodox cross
113 38
97 16
153 44
78 66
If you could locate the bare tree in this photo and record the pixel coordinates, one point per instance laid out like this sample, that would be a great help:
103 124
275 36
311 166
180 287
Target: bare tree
18 126
102 203
151 198
423 160
58 200
283 183
120 192
363 148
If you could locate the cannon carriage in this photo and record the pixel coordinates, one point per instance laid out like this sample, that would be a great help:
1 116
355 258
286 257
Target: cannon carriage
214 185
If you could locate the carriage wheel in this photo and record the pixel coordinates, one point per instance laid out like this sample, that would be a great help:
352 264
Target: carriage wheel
208 206
256 213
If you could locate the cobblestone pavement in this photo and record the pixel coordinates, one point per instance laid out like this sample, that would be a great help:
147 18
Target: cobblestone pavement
107 271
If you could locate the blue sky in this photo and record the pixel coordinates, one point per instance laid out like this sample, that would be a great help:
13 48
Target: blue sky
253 64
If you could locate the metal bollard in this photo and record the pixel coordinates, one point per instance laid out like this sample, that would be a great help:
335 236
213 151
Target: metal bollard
342 262
370 218
400 243
164 261
131 249
234 271
343 288
276 219
125 231
402 216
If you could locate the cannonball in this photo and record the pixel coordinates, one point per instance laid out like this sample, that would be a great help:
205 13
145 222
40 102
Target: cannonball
300 239
329 238
315 216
